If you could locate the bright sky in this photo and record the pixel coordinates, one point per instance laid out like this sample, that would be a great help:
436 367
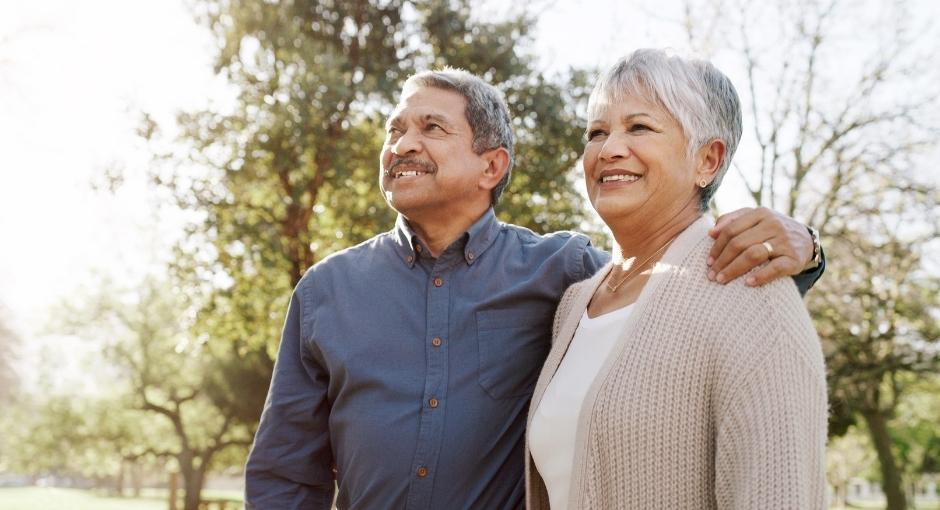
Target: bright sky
73 76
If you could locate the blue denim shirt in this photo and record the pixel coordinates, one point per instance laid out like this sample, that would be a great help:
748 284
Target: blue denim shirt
407 378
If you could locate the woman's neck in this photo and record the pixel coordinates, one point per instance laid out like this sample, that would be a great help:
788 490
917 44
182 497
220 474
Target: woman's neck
636 239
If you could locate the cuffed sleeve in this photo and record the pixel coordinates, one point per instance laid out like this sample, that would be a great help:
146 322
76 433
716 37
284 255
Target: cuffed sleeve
290 464
805 280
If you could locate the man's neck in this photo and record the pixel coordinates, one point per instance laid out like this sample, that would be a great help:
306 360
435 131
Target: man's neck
440 232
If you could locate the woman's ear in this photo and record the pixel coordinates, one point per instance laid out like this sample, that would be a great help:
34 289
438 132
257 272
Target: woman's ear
710 158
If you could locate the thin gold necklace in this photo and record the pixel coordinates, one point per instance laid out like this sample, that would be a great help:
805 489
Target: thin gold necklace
635 268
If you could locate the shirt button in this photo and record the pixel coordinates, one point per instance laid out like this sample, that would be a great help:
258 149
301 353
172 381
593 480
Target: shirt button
436 341
438 281
471 255
422 472
410 259
433 403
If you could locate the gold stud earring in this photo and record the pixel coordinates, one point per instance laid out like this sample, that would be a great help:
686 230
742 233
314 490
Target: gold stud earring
703 183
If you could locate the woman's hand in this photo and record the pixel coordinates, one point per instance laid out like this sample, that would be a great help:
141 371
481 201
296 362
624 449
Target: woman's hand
746 238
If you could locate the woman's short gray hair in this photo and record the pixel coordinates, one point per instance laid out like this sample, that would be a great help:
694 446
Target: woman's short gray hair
486 113
699 96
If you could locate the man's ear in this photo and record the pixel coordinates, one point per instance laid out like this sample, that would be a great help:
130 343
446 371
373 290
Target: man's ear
709 157
497 163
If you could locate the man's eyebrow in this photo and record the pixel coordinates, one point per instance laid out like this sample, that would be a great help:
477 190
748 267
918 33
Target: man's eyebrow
428 117
434 117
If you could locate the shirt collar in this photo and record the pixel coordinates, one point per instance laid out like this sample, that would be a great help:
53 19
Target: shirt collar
478 238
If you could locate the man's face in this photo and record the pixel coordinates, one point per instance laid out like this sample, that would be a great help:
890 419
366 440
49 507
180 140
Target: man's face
428 165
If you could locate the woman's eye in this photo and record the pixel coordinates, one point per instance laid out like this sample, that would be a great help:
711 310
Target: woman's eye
594 133
639 127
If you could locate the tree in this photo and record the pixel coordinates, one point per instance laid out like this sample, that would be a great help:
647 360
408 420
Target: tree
80 437
915 435
841 143
8 342
289 174
848 456
880 330
169 377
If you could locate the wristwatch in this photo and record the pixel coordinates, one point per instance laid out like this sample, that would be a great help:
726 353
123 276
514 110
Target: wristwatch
817 250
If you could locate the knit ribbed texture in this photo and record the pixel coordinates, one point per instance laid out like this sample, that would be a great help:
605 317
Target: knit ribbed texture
714 396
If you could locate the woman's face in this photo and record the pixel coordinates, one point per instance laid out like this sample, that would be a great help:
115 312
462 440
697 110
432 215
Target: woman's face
636 165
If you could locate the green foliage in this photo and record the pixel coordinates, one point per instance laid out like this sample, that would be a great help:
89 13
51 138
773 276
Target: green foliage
289 174
76 436
8 344
915 429
876 312
166 405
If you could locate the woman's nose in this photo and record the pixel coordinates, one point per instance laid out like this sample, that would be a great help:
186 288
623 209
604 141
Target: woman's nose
615 147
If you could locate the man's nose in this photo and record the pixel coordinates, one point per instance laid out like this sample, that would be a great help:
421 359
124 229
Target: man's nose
408 143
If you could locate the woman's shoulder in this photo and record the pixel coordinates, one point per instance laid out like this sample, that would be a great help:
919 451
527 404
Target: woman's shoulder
745 320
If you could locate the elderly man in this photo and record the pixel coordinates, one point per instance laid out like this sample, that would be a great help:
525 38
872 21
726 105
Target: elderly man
407 363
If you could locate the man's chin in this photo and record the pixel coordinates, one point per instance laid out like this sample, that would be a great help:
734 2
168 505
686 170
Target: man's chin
403 202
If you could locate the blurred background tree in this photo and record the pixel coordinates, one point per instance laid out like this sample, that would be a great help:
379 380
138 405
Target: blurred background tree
290 174
841 116
840 149
169 388
8 344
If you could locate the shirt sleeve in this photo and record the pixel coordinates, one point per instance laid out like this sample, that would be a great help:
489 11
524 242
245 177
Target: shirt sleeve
290 464
805 280
592 260
771 432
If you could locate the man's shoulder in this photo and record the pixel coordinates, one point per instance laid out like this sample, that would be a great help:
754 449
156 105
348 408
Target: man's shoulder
558 239
354 258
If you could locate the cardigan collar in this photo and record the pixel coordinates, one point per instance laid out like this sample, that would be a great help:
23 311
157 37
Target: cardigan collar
670 262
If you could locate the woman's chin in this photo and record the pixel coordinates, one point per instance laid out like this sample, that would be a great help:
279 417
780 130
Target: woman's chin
614 211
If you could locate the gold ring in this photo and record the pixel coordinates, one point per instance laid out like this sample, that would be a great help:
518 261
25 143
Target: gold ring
770 248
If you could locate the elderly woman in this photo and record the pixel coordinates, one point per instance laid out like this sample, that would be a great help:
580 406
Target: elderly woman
663 389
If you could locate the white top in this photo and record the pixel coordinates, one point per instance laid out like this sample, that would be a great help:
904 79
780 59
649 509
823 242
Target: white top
555 423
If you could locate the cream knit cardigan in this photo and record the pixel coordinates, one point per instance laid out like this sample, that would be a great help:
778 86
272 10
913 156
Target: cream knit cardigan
713 397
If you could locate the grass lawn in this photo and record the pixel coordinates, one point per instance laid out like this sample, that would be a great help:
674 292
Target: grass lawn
877 506
48 498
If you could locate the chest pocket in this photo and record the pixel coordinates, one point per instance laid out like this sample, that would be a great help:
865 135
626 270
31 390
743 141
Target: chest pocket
513 345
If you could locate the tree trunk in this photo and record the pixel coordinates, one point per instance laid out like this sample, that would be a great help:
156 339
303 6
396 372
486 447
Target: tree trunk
193 479
174 490
136 478
118 487
890 474
839 495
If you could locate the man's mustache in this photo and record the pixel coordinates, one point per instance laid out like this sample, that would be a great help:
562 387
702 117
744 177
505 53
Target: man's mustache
426 166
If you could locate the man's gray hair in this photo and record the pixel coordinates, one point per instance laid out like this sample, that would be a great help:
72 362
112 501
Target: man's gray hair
486 113
699 96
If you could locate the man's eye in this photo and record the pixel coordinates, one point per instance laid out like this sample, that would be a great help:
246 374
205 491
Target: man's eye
434 127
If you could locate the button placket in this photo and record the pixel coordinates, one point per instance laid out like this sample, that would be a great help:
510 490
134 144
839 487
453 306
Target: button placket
431 421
